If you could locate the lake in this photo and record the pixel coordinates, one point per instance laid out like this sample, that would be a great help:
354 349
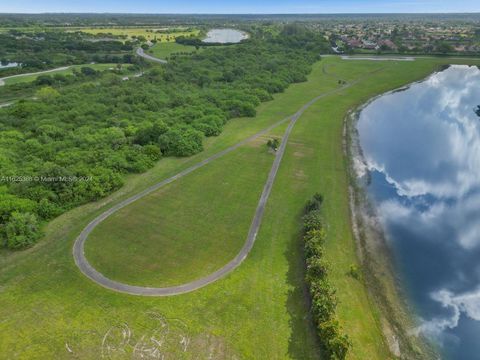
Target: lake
224 36
421 147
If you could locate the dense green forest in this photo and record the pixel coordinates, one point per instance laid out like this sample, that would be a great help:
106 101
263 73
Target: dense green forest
40 50
73 145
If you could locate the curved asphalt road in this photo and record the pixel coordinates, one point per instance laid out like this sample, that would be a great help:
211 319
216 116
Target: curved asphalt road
2 80
90 272
141 53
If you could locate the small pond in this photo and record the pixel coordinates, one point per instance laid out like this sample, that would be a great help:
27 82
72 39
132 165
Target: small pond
5 65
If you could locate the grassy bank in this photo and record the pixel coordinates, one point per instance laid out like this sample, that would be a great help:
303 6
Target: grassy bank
48 309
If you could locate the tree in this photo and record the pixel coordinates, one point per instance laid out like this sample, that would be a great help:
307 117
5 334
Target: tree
152 151
444 48
477 111
10 203
47 210
323 294
21 230
47 93
181 142
150 133
315 203
336 345
312 221
104 129
88 71
273 144
44 80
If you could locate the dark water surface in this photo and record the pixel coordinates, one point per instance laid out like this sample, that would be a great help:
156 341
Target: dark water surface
422 148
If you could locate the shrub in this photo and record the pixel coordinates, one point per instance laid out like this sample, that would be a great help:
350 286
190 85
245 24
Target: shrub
273 144
312 221
88 71
21 230
315 203
354 271
47 93
322 292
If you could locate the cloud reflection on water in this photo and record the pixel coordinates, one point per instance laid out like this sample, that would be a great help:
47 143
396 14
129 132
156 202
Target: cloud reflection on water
422 147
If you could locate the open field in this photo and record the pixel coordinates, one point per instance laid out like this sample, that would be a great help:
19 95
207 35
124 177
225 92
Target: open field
22 78
221 197
165 49
150 33
49 309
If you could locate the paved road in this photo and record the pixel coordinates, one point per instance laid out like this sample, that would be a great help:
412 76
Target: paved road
378 58
141 53
2 80
399 58
90 272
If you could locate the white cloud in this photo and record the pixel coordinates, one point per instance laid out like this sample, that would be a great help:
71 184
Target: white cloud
428 143
437 218
467 304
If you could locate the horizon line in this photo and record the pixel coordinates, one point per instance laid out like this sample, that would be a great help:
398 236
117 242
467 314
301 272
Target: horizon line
234 13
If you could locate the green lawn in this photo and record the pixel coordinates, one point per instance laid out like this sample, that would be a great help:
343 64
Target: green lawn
163 50
48 309
29 78
189 228
148 32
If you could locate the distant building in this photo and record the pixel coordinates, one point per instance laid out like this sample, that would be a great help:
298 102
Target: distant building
388 43
367 44
354 43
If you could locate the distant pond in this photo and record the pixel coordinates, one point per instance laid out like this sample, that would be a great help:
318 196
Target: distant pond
224 36
5 65
421 148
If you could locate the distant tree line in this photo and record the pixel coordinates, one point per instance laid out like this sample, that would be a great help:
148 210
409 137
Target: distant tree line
323 298
104 128
46 49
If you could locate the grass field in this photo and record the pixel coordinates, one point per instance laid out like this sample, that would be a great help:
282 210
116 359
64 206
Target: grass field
149 33
29 78
165 49
174 242
48 309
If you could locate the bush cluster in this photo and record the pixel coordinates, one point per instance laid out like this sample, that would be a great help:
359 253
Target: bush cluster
103 128
39 50
324 301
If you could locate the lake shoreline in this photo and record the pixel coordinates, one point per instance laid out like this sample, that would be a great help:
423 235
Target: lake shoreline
396 314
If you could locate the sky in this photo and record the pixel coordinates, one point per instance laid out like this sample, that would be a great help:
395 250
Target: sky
240 6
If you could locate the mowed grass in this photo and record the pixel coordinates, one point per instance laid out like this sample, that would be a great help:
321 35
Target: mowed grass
163 50
29 78
148 32
48 308
188 229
